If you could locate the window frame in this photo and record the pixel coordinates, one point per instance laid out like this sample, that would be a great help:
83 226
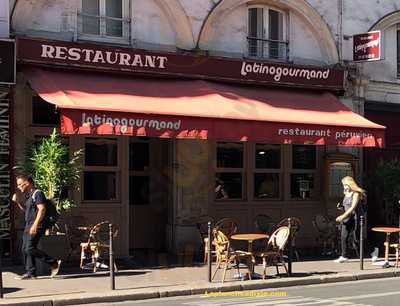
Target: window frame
126 24
265 30
141 173
255 170
116 169
315 172
230 170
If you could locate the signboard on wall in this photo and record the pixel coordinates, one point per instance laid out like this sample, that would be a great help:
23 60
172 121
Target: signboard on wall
367 47
183 65
7 61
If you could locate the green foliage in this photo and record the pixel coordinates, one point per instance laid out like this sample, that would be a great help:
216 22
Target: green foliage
387 183
52 170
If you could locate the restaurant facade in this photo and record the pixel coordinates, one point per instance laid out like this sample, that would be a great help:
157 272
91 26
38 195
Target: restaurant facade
173 134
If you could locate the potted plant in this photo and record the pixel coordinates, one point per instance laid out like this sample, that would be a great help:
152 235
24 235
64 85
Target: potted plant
54 172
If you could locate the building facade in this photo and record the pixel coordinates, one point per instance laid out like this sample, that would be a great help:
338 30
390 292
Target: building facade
156 188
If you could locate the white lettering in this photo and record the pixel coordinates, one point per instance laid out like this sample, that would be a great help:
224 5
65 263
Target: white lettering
47 51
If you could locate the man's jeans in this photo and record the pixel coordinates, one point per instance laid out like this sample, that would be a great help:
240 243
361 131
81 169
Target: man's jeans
32 253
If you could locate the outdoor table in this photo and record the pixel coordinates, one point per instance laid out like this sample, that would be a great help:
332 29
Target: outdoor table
250 238
388 230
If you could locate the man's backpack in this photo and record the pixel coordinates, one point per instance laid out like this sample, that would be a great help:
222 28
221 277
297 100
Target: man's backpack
51 216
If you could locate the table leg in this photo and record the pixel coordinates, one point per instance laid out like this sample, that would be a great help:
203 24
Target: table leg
387 247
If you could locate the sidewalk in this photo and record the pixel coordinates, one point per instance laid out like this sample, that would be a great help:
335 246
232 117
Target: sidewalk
71 288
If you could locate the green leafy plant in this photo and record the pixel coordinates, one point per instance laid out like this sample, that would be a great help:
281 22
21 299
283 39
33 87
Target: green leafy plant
53 170
386 181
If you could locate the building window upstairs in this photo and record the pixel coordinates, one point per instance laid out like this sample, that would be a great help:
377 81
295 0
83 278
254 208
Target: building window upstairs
104 20
267 33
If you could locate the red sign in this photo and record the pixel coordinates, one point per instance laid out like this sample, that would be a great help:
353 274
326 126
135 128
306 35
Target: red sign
367 46
92 122
134 61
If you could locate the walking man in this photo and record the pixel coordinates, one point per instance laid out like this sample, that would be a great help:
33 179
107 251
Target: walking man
33 202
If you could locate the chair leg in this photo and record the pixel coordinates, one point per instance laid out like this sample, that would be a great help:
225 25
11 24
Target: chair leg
225 268
397 257
82 258
250 267
216 269
115 267
264 268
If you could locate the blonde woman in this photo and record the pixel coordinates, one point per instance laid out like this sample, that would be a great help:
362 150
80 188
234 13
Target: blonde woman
352 197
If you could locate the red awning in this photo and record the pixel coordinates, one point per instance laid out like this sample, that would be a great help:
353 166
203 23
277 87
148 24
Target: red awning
103 104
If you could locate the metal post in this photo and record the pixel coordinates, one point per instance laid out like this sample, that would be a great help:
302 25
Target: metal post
290 249
209 252
361 242
112 274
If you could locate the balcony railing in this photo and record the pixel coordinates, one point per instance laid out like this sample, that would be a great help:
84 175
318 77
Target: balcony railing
268 48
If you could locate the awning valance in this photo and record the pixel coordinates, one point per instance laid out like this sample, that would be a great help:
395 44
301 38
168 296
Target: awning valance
104 104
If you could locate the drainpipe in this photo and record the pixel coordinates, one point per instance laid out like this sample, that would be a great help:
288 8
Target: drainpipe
340 30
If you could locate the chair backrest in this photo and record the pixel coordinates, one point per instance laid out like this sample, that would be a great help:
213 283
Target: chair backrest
227 226
279 238
202 225
101 233
295 225
263 223
221 243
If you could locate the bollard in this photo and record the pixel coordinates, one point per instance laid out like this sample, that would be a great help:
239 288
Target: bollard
112 274
290 249
361 242
209 252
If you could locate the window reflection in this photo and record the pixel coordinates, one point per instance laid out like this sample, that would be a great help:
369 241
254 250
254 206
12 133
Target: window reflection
304 157
228 186
301 185
229 155
266 185
101 152
268 156
100 186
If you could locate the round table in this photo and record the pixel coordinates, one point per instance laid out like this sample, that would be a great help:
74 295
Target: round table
249 238
388 230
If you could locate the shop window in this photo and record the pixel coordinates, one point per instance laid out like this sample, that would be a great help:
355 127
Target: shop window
44 113
139 172
337 171
104 18
267 33
101 169
229 155
304 157
266 185
228 186
302 186
230 171
100 185
268 156
101 152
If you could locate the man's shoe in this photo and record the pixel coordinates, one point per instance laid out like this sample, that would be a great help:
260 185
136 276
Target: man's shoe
25 276
341 259
55 268
374 255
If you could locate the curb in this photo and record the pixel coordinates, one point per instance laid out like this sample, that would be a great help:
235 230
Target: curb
135 295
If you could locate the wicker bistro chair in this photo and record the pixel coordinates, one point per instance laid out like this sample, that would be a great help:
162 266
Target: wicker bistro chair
228 258
263 223
97 246
295 227
273 254
327 233
76 230
202 226
227 226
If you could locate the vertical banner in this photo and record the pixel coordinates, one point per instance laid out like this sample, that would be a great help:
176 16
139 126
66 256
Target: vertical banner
5 216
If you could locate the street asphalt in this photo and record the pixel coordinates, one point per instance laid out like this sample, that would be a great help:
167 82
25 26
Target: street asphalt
377 292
